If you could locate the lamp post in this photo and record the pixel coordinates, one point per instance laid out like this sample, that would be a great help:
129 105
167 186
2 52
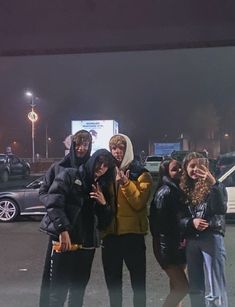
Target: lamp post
33 117
48 140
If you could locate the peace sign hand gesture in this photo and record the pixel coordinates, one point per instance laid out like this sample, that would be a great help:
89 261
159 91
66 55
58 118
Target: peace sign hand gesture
121 176
97 194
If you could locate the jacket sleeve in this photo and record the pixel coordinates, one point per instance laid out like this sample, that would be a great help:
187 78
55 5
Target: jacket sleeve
219 198
158 218
56 201
137 193
105 213
185 219
47 182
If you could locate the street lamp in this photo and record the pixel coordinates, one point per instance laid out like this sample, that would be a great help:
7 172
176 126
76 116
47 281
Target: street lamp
48 140
33 117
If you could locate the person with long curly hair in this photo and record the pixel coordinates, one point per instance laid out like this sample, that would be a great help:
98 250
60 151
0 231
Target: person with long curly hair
203 222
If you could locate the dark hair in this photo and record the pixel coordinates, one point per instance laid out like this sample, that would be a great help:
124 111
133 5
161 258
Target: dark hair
81 136
164 170
107 160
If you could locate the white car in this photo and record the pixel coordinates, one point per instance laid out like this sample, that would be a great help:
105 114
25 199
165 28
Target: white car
152 164
228 179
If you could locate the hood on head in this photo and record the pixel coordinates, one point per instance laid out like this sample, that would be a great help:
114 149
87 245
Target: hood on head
90 164
129 153
80 136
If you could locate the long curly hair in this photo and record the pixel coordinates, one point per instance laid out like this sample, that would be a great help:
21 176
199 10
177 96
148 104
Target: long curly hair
195 191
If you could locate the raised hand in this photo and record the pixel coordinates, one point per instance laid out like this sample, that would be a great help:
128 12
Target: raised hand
97 194
121 176
204 173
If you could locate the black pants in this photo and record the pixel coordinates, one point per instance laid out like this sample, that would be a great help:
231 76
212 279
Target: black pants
68 275
45 285
131 249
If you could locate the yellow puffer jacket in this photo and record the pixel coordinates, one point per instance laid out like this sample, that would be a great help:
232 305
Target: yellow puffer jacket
131 211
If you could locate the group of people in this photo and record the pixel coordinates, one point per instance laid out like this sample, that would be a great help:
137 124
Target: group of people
89 200
101 200
187 223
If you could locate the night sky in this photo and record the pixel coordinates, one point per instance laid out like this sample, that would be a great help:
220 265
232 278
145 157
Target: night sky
150 94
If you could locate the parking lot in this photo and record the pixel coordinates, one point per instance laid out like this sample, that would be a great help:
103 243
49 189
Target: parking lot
21 262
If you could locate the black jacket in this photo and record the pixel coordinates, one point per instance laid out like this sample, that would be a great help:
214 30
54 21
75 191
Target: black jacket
69 161
164 211
70 208
213 210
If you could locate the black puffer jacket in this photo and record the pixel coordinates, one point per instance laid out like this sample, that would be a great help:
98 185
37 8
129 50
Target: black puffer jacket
69 161
70 208
213 210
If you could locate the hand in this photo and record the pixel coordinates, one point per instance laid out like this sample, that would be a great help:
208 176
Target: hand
65 242
204 173
121 176
200 224
97 194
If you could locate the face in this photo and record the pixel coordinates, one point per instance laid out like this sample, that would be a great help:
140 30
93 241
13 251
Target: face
81 149
118 152
174 170
100 169
192 168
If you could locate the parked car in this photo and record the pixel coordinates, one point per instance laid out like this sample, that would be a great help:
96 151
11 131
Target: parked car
21 201
228 179
11 165
224 162
152 164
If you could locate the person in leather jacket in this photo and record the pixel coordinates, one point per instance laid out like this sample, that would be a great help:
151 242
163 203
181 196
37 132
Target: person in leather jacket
168 245
79 206
203 222
80 151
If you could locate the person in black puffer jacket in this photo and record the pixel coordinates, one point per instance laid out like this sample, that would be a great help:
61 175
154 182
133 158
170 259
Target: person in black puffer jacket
80 150
203 223
79 206
164 226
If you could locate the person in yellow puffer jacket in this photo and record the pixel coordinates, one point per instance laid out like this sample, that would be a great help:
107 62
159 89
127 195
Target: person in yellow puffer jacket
124 238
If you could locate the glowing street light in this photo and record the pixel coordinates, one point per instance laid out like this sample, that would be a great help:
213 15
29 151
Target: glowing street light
33 117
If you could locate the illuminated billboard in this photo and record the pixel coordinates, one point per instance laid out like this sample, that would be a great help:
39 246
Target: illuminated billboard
165 149
101 131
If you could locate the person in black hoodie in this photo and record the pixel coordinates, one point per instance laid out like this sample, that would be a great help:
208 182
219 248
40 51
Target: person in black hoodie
79 206
80 150
164 226
203 223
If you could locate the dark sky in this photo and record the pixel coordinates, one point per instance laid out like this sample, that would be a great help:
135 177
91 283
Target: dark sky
149 93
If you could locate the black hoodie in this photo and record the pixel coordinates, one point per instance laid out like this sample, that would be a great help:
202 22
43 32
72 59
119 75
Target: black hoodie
69 161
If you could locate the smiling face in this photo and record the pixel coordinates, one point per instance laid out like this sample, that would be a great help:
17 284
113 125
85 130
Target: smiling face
174 170
192 168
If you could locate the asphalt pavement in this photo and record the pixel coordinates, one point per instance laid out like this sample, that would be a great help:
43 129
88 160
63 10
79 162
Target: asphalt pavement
23 249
